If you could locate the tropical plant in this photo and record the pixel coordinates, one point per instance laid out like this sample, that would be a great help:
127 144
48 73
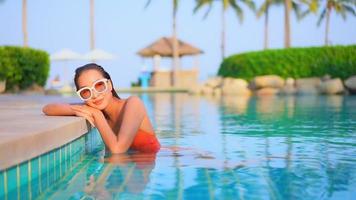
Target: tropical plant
264 9
24 23
337 61
92 29
22 67
226 4
342 7
288 6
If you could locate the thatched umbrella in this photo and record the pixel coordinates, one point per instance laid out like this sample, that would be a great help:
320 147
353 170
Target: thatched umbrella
164 48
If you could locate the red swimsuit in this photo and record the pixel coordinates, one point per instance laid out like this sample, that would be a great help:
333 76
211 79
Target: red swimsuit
145 142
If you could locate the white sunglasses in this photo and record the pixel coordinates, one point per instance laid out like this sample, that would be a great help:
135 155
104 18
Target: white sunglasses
99 86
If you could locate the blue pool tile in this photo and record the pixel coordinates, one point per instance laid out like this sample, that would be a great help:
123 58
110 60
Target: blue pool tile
2 185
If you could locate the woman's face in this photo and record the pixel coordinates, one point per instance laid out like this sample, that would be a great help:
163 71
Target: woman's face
98 100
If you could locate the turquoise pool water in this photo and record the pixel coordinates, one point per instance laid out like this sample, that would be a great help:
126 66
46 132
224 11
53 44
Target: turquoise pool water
213 148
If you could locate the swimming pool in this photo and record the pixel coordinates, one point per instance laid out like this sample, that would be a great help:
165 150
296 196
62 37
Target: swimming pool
232 148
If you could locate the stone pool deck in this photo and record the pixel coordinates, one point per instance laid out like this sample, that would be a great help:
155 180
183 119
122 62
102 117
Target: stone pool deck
25 132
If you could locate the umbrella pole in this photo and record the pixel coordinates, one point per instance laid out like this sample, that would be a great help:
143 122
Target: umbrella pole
65 74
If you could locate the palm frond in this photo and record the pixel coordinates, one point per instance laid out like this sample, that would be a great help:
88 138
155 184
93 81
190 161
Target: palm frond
322 16
313 6
202 3
263 8
278 1
238 11
198 6
337 7
343 14
175 4
297 11
148 2
250 4
208 11
304 13
352 2
226 4
349 9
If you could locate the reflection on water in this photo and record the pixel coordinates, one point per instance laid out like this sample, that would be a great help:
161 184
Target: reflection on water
293 147
231 148
119 173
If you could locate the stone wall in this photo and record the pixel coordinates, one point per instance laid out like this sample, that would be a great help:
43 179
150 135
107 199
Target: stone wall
273 85
160 79
185 78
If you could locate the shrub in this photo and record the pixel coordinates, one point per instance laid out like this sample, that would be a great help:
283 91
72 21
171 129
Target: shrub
337 61
21 67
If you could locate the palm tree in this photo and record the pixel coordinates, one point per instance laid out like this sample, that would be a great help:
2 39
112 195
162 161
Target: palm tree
92 30
225 5
264 9
288 6
175 42
175 49
24 23
341 7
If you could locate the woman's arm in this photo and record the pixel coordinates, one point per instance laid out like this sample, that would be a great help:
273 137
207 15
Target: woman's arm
63 109
133 115
58 109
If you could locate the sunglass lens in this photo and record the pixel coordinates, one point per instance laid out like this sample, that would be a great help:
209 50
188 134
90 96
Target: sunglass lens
100 86
85 94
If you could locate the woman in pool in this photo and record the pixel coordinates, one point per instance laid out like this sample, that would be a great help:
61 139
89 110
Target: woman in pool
123 123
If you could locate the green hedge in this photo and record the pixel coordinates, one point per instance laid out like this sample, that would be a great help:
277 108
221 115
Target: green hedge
337 61
21 67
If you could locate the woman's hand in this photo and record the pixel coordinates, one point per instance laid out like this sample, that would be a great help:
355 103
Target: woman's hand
85 111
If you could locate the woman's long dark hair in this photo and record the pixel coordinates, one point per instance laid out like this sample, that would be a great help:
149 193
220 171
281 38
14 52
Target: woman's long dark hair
97 67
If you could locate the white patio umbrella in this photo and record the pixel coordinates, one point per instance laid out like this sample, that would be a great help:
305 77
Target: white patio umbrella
98 54
65 55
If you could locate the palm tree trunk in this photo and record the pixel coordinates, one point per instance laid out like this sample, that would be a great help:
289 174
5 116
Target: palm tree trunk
24 23
327 24
92 31
266 27
223 27
175 48
287 8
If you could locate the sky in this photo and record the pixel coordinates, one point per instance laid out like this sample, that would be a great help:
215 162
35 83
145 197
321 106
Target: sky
123 27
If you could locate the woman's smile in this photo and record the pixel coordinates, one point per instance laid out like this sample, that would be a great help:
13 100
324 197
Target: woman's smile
98 101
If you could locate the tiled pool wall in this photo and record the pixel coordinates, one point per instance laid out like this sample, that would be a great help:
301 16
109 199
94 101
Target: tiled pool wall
32 178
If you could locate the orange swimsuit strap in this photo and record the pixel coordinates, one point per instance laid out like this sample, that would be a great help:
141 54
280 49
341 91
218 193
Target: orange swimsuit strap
145 142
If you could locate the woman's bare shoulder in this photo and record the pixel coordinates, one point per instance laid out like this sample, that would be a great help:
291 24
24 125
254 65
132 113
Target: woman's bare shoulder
134 101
